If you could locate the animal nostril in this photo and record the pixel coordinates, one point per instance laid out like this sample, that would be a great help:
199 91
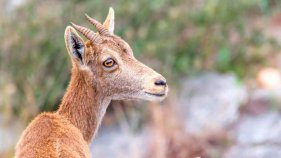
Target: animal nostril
160 83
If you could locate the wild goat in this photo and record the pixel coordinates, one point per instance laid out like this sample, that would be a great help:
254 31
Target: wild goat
104 69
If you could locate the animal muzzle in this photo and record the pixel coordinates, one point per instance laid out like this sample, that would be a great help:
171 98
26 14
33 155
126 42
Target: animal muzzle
156 86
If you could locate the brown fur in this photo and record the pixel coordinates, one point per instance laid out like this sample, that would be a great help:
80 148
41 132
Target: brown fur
67 132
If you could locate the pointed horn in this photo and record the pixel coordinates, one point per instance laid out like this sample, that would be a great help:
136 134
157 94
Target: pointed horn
101 29
109 21
89 34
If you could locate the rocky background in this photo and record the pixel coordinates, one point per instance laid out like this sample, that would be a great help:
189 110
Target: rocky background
221 59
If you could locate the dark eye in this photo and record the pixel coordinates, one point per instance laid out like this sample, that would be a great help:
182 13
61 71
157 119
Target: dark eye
109 63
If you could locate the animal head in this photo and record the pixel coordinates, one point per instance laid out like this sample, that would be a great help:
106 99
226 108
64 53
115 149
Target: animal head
108 63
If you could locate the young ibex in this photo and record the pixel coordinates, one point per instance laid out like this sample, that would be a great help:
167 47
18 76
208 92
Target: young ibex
104 69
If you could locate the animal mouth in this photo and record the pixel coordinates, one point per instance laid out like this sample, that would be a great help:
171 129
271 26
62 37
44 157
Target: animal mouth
156 94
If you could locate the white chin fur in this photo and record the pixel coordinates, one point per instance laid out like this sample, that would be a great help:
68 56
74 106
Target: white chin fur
153 97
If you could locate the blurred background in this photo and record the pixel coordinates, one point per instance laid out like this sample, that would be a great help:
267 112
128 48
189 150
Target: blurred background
221 58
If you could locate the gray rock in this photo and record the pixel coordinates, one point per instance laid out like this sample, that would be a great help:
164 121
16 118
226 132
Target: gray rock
114 142
265 128
211 101
259 151
258 137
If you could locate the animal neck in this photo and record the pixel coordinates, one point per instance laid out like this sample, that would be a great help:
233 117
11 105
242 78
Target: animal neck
83 105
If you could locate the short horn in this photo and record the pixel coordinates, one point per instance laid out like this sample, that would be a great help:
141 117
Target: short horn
101 29
89 34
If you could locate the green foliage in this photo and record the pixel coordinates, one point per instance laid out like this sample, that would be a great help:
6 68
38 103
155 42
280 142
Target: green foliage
185 36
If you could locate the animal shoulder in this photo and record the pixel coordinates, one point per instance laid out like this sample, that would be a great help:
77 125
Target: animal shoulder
52 135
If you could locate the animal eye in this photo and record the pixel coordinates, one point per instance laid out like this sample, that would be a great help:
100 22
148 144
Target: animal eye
109 63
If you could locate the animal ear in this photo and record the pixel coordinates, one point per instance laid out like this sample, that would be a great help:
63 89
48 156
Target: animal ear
74 44
109 21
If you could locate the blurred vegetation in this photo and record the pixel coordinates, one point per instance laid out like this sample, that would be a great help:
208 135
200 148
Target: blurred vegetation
179 37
